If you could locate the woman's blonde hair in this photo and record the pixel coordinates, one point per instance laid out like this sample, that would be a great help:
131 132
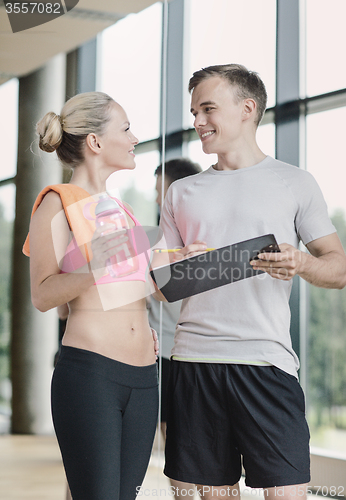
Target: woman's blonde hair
81 115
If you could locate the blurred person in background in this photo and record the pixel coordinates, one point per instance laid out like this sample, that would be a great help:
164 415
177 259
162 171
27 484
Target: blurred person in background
175 169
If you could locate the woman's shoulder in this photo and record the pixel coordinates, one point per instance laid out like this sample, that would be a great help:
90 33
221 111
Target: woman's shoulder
59 196
51 199
49 206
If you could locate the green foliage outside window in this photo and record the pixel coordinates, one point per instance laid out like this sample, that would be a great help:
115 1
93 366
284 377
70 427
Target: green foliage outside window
326 394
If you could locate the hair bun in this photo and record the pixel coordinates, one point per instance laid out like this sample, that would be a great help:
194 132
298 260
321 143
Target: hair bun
50 132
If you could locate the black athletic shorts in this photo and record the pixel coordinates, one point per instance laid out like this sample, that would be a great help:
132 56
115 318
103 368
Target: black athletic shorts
223 415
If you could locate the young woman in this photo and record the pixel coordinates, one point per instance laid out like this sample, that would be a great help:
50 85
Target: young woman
104 387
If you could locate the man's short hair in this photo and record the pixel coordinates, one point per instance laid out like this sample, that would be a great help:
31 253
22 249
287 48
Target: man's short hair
247 83
178 168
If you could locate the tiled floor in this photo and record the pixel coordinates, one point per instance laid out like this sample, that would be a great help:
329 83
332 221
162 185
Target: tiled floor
31 468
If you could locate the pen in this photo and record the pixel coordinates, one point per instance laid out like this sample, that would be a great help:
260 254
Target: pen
169 250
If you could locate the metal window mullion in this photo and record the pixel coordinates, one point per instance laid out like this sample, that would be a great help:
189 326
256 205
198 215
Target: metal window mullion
287 115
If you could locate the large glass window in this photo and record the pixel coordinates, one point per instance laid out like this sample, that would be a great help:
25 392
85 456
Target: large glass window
8 128
232 32
8 168
325 138
131 68
7 204
325 46
266 139
326 390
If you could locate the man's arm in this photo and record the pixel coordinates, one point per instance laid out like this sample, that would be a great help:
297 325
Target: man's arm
325 267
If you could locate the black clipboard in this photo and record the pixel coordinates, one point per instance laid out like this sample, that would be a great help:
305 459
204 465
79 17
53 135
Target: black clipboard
212 269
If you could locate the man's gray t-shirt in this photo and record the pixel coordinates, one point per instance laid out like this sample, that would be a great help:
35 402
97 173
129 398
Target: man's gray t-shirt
247 321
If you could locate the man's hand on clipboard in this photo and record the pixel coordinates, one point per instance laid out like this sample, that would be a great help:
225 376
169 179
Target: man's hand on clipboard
282 263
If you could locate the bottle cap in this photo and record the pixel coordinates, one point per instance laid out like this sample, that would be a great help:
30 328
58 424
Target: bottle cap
105 204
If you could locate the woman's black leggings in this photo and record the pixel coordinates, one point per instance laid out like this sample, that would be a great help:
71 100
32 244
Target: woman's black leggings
104 415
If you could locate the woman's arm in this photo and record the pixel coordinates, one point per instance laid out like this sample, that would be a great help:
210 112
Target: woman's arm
49 288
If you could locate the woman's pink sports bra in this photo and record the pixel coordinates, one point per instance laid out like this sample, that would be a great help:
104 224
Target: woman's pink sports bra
73 199
74 258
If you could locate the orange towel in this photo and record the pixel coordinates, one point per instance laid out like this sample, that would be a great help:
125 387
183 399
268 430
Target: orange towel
73 200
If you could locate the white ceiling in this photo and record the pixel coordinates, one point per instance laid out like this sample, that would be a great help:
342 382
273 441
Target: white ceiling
25 51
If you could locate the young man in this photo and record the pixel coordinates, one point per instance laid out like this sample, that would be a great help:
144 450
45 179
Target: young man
234 393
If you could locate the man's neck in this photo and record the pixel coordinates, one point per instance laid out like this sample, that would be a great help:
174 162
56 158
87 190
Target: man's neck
234 160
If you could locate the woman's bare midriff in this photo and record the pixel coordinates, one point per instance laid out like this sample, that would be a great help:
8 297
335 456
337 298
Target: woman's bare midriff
112 320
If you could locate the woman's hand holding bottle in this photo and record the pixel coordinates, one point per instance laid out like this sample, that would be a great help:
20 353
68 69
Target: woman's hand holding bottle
105 244
111 247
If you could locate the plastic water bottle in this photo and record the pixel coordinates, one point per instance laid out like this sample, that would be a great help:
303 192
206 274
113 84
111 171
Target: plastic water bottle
125 261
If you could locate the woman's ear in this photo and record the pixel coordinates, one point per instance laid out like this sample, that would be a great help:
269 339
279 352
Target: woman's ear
93 143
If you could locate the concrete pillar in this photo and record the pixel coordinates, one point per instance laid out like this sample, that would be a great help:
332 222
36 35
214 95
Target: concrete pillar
34 334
